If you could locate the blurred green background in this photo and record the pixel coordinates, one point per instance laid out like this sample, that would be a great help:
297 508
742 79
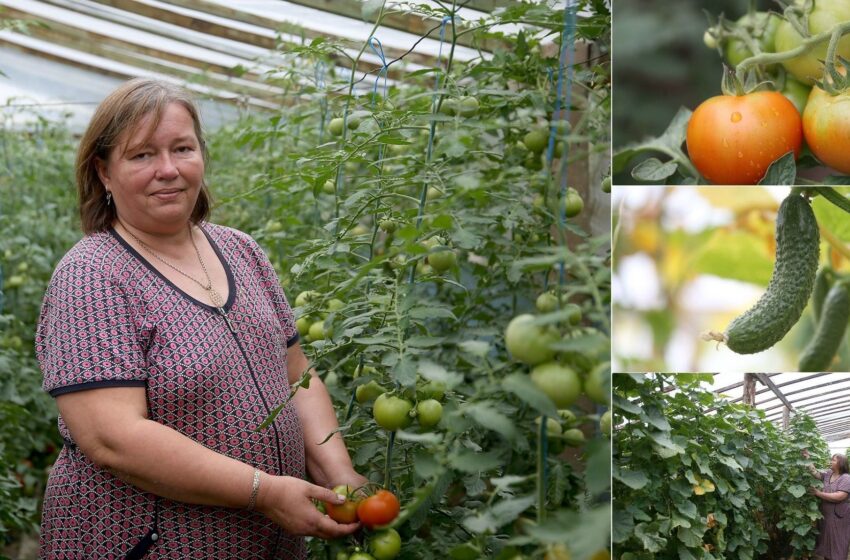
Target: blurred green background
661 63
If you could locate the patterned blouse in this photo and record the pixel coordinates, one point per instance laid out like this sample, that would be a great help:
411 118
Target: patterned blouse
110 319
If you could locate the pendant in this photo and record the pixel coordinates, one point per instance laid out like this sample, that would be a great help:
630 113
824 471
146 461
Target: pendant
215 297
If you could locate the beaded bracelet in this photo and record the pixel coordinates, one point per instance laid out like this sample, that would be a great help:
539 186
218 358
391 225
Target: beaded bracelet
255 489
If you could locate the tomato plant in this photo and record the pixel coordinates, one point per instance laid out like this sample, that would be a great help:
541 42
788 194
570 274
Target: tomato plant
825 124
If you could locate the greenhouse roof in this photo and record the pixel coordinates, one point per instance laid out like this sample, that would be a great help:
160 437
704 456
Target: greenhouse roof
73 52
823 396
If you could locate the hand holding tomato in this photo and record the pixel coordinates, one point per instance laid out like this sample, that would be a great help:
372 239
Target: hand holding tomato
733 139
286 500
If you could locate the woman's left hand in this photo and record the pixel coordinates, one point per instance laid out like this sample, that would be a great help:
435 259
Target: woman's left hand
351 478
814 491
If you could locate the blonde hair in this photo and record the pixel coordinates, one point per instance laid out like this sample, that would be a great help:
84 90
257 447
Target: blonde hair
123 110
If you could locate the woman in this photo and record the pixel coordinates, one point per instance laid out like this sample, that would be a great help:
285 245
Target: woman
166 341
834 538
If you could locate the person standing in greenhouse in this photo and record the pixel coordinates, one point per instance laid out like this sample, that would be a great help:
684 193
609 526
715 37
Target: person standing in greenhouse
833 542
167 341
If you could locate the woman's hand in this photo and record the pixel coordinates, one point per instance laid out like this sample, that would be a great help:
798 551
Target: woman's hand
352 478
805 454
814 492
287 501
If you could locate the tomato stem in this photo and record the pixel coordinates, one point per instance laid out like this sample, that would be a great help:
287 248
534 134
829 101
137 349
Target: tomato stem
387 470
542 453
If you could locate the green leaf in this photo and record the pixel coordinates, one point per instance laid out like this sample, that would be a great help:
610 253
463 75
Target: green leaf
653 170
654 417
724 252
622 527
487 416
626 405
469 461
597 474
502 513
648 534
633 479
832 218
783 171
796 490
522 386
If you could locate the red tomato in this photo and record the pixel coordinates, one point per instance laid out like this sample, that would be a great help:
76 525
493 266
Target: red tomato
378 509
732 139
826 124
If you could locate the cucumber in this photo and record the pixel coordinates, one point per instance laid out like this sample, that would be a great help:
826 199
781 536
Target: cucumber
823 282
797 252
833 322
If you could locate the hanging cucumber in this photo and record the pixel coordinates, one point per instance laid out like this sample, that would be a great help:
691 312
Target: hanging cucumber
833 322
773 315
823 282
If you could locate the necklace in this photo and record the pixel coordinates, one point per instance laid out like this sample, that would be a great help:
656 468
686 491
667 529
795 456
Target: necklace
214 296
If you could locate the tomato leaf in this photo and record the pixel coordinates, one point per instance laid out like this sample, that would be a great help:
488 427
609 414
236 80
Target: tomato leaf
521 385
652 170
783 171
486 415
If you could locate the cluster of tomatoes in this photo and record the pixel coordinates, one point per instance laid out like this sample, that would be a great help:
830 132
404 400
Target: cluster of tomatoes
733 139
532 341
375 511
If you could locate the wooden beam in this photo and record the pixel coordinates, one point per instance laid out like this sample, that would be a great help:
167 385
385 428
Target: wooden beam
786 417
766 380
235 14
749 389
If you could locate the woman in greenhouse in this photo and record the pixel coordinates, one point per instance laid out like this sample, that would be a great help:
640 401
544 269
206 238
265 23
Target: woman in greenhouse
167 341
834 538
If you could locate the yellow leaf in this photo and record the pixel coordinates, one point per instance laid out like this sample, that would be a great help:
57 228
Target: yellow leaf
707 485
698 490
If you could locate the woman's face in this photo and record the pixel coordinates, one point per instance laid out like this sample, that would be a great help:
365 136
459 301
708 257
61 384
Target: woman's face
155 183
834 464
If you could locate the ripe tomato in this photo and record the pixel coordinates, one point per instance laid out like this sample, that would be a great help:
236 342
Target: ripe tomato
528 343
808 66
826 122
385 545
429 412
378 509
345 512
392 413
732 139
558 381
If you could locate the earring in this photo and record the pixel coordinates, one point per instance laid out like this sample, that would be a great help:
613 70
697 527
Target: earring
108 198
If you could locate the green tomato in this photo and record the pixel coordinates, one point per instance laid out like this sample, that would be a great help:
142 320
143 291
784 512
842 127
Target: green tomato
329 187
449 107
573 203
392 413
387 225
385 544
317 330
342 555
335 126
306 297
354 122
368 392
560 383
606 185
605 424
709 39
303 326
361 556
442 259
528 343
335 305
536 140
366 370
432 390
468 106
574 437
433 193
568 416
547 302
762 27
808 67
597 385
429 412
796 92
553 428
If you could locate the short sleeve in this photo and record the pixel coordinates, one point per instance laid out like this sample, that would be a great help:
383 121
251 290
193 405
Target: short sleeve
824 475
274 291
843 483
86 337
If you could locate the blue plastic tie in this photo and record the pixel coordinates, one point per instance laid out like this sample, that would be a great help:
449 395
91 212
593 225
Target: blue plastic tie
384 67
